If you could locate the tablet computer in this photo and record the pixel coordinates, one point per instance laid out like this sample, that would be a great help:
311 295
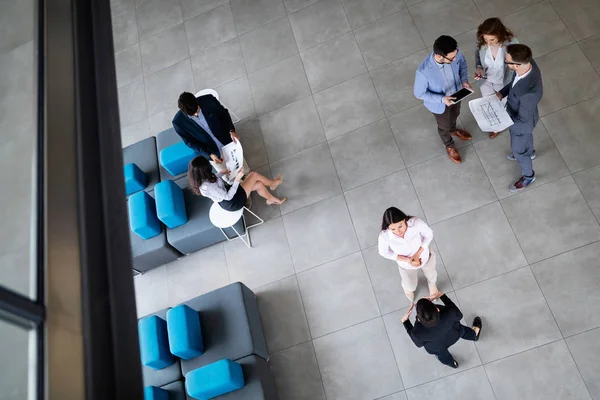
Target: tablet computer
461 94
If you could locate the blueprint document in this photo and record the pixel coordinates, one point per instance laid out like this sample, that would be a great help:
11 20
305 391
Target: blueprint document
490 114
233 158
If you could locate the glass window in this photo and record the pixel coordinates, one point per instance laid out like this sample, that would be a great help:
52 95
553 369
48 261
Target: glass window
17 362
18 145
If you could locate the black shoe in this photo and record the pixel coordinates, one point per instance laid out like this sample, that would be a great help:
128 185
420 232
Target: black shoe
477 324
455 364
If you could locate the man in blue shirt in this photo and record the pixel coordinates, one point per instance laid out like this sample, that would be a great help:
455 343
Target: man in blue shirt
443 73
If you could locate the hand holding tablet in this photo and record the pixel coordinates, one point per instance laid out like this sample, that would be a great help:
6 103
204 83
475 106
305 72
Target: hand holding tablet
461 94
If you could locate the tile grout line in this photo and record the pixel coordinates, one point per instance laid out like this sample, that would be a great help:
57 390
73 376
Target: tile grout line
139 44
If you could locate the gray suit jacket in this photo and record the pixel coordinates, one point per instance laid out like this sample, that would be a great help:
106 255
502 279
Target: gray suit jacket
523 99
480 59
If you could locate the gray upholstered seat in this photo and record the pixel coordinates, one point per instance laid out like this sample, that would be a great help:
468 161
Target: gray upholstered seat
259 383
164 376
144 155
165 139
177 391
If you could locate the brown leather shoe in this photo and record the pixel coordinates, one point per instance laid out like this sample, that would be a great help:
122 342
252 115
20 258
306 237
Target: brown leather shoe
462 135
494 134
453 155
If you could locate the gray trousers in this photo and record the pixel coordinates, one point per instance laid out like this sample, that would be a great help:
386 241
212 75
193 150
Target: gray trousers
521 145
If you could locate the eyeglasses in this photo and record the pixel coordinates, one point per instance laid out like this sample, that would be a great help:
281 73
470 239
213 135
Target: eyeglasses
449 59
511 63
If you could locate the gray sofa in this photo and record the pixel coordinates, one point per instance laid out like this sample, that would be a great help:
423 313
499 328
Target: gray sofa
165 139
144 155
177 391
161 377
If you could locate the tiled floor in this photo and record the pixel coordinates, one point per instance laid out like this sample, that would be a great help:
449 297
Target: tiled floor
324 89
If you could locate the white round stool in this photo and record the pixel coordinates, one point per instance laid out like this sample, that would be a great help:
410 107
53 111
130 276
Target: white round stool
227 219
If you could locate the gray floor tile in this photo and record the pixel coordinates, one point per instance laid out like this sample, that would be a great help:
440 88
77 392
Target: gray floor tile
155 16
295 5
394 83
210 29
337 295
282 314
162 120
348 106
268 44
564 287
415 364
362 12
291 129
124 26
547 372
395 396
135 132
279 84
297 374
589 183
499 302
151 291
318 23
471 384
333 62
444 17
581 147
219 65
446 189
164 49
548 164
193 8
540 27
367 204
364 352
310 177
562 92
268 260
389 39
491 8
478 245
128 65
132 103
252 140
387 282
259 205
536 214
581 16
237 97
585 349
164 87
310 228
591 49
366 154
250 14
196 274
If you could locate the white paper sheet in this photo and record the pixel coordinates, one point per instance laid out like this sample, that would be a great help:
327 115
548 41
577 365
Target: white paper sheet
233 158
490 114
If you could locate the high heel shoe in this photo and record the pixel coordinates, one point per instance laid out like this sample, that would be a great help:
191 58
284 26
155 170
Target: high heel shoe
270 203
278 181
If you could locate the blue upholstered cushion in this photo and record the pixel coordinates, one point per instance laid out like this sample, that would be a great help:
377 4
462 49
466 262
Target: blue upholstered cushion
154 343
185 335
155 393
142 215
214 379
170 205
135 179
176 158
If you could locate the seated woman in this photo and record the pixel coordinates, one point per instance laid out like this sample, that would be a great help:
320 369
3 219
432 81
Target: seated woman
204 182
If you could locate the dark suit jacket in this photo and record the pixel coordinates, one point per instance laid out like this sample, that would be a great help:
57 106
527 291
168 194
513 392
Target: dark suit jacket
443 335
195 137
523 99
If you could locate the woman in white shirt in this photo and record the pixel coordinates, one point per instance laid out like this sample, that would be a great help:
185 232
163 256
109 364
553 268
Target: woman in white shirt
491 72
406 240
204 182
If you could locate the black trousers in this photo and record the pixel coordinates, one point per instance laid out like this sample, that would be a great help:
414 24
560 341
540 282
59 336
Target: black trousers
445 357
447 123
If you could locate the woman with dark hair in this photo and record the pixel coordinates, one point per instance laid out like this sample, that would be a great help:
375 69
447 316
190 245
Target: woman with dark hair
204 182
406 240
492 73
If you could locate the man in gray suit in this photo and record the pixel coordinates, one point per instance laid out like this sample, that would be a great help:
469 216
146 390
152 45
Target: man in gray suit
524 93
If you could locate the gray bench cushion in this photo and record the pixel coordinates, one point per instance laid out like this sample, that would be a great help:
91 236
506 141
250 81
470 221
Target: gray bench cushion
198 232
144 155
165 139
177 391
259 381
164 376
231 326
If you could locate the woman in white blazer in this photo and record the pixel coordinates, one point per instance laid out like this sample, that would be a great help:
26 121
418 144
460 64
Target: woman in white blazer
491 72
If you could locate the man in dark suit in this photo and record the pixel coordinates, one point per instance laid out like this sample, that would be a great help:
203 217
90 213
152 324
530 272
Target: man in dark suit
438 327
524 93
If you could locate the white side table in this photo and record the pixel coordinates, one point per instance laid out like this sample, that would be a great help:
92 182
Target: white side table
227 219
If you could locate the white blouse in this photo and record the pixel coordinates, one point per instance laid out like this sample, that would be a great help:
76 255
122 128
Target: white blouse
495 66
418 234
217 192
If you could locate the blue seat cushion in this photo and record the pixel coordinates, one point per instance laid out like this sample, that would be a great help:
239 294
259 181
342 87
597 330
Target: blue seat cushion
185 334
170 204
135 179
142 215
155 393
176 158
154 343
214 380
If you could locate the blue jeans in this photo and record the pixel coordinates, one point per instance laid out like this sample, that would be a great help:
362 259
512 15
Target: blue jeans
521 145
445 357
